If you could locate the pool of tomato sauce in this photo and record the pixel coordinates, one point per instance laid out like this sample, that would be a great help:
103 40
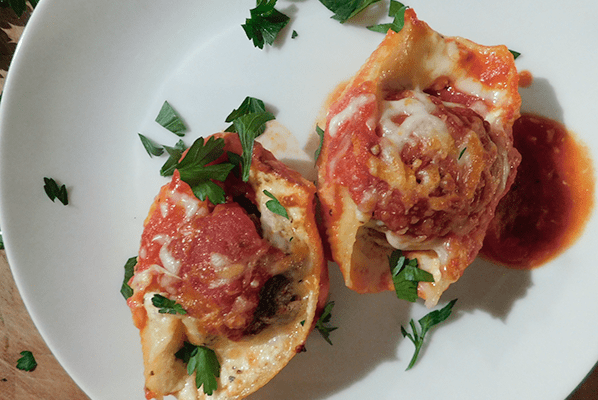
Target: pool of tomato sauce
550 201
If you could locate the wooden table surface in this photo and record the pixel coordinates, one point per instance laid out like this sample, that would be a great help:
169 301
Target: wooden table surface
17 332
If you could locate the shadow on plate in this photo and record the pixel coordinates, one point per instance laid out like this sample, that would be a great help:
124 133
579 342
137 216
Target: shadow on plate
367 336
541 99
489 287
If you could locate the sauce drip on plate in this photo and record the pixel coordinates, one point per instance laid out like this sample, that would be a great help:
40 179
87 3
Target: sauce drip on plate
550 201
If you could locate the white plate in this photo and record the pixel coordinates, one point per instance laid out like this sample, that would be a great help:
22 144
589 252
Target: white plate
89 75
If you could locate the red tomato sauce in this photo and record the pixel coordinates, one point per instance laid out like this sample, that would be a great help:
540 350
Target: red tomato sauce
228 232
550 201
225 295
525 79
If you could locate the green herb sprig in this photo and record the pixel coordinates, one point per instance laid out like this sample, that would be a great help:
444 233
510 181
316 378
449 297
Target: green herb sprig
170 119
249 127
320 133
406 274
248 106
397 12
325 319
55 192
125 289
265 23
196 172
275 206
167 306
174 156
425 323
152 148
204 363
515 54
27 361
344 10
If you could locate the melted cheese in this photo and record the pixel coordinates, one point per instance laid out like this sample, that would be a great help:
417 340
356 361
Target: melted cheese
349 112
420 124
170 263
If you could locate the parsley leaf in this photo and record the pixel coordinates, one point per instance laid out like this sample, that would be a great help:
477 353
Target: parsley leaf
324 319
346 9
175 153
249 127
320 133
170 120
54 192
461 153
152 148
125 289
406 275
516 54
248 106
195 171
397 11
27 362
1 242
210 190
167 306
204 363
426 323
265 23
237 161
275 206
294 35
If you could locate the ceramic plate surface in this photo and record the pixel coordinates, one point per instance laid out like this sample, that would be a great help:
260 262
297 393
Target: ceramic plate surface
88 76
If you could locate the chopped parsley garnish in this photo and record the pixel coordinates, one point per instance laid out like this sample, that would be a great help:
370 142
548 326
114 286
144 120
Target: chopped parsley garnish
237 161
27 361
170 120
346 9
265 23
125 289
320 133
275 206
294 34
516 54
54 192
203 362
175 153
248 106
249 127
195 171
167 306
1 242
425 323
150 146
396 11
406 275
249 122
462 151
324 319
